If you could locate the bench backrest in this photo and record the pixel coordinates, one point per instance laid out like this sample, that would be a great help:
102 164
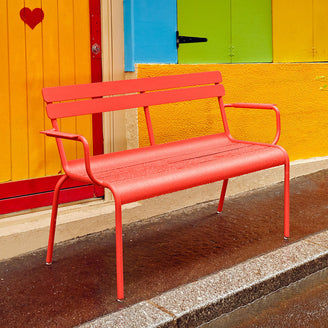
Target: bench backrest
117 95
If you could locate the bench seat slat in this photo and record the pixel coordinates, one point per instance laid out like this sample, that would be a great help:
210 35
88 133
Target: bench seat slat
169 167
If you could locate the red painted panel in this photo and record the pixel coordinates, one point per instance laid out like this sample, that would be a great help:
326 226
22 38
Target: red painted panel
32 186
44 199
96 71
96 76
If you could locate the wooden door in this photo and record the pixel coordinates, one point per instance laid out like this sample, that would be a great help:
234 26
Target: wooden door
44 43
238 31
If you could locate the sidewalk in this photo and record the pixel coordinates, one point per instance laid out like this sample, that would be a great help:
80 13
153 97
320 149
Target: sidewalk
181 269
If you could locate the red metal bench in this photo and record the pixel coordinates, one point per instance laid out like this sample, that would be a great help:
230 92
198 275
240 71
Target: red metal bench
142 173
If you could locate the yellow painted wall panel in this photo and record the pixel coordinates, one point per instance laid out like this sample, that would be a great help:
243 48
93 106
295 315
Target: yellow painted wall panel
18 91
292 31
5 159
34 80
320 30
293 87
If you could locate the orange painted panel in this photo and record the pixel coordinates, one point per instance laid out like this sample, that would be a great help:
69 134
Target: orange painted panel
293 87
18 91
5 158
292 31
34 81
53 51
82 60
67 63
186 119
50 77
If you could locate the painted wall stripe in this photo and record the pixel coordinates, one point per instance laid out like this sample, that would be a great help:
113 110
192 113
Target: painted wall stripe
129 35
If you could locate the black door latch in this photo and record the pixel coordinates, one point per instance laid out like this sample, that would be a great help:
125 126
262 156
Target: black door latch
188 39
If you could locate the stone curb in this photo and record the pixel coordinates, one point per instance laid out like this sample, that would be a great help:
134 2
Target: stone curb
207 298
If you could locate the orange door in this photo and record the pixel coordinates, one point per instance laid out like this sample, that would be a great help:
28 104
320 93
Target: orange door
45 43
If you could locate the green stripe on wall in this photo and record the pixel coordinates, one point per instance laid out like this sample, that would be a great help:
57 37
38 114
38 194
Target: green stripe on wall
238 31
209 19
251 28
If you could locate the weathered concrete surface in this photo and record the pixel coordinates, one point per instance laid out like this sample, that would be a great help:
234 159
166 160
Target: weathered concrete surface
301 305
243 247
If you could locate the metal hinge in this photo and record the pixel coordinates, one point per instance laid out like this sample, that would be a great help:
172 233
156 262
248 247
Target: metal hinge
188 39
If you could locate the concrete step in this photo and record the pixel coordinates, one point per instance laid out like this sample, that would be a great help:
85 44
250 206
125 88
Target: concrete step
212 296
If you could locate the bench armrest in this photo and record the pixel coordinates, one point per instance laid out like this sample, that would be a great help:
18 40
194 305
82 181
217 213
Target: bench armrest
75 137
62 135
262 106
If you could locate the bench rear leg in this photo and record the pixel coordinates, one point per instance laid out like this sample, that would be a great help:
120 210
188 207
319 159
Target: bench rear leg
54 219
286 207
222 196
119 251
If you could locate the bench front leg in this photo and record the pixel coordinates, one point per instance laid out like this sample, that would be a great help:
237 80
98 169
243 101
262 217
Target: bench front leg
54 219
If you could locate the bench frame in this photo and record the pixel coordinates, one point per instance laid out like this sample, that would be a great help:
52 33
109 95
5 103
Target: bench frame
93 98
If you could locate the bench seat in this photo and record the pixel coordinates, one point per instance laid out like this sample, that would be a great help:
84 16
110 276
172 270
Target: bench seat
151 171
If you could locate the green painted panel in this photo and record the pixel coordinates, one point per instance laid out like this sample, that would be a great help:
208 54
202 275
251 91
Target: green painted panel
206 18
251 31
238 31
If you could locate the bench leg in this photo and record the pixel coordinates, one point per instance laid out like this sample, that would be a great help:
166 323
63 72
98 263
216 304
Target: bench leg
119 250
54 219
223 192
286 209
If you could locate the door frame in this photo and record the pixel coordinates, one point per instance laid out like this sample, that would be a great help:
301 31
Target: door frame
112 24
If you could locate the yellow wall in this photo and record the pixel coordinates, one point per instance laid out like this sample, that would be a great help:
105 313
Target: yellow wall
55 52
293 87
300 30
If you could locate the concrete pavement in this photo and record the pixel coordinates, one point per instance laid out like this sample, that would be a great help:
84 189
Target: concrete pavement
181 269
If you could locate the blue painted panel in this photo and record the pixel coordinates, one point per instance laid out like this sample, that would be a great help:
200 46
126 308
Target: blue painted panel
128 35
150 32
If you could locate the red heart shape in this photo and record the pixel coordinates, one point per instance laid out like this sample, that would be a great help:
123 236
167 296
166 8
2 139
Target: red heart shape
32 17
